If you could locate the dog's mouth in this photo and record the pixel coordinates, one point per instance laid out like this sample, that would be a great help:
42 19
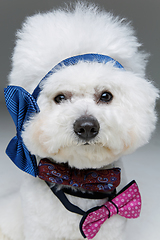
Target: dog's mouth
84 155
92 142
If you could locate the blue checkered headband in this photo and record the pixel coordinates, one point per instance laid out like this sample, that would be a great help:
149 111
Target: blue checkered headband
22 105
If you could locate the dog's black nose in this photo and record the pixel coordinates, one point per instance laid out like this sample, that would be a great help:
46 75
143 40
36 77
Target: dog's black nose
86 127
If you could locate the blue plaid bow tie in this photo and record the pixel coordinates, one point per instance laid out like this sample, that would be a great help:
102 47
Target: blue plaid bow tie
22 105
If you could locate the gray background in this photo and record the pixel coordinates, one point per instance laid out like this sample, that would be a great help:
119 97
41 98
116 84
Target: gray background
144 164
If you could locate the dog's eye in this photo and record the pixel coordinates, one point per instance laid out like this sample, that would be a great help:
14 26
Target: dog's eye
59 98
106 97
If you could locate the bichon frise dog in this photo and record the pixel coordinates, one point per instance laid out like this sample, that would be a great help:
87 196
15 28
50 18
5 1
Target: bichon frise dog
92 106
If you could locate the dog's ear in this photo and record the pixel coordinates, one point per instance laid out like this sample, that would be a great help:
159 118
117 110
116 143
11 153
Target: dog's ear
21 106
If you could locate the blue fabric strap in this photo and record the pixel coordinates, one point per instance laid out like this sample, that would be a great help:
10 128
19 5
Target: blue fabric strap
91 57
22 105
64 200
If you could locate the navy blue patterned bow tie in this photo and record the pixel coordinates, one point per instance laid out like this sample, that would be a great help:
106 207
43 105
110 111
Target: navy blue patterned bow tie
22 105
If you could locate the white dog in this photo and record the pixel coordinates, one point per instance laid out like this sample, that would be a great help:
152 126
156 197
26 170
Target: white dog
88 114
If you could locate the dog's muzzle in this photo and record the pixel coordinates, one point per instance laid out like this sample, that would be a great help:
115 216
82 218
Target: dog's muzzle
86 127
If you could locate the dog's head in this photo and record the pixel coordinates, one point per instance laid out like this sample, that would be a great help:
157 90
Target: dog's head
90 113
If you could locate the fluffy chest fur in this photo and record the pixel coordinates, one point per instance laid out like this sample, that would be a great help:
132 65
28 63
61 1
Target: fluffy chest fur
46 212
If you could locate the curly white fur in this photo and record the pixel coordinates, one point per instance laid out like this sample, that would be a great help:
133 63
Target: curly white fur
126 122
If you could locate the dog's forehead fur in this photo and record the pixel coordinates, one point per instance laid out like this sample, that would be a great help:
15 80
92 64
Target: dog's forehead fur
83 78
91 79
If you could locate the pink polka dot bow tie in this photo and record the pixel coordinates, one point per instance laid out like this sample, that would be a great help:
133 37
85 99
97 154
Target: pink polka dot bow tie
127 203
